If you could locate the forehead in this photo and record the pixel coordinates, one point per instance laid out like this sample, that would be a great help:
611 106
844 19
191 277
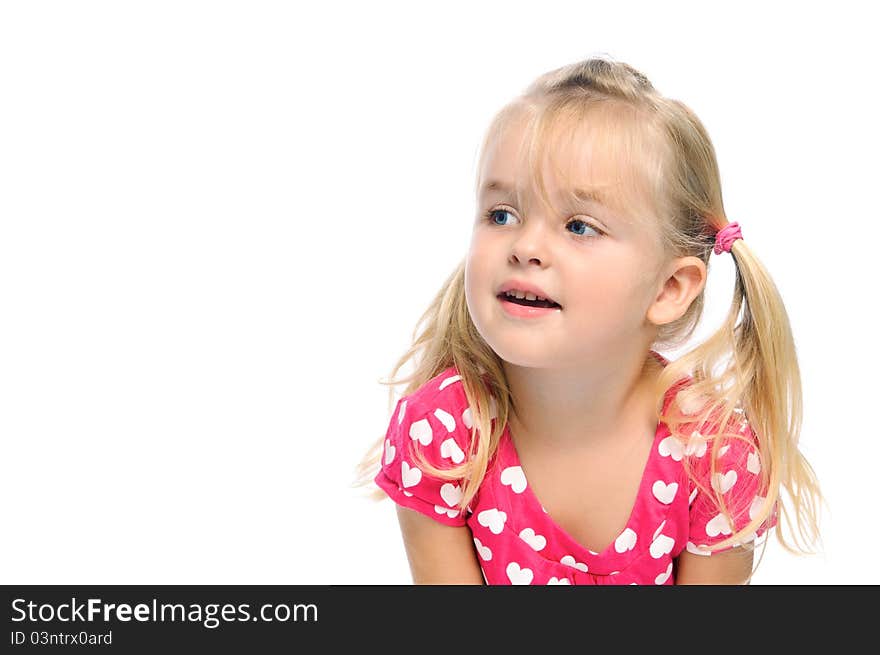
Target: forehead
585 161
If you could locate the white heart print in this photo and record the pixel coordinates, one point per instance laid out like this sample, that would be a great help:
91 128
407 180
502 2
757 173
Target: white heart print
410 476
451 513
450 450
467 418
514 477
696 445
448 381
493 519
689 403
390 451
569 560
671 447
555 580
753 464
451 494
518 575
661 545
484 551
663 577
536 541
718 525
725 482
421 431
446 419
626 541
663 492
700 549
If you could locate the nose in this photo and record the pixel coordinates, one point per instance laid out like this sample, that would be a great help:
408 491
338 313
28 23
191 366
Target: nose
530 245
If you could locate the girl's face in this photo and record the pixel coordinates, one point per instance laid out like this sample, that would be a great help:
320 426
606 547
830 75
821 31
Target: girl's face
599 263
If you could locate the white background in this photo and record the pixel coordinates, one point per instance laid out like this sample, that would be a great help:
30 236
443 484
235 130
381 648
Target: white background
221 220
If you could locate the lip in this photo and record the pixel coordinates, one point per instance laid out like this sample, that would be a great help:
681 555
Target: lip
524 311
524 286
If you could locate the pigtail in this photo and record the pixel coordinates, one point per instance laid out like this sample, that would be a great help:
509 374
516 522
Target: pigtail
765 361
747 373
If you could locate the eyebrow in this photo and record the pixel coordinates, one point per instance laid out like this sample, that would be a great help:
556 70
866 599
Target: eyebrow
583 195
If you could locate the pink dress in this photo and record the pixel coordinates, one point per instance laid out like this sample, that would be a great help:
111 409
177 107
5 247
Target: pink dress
518 542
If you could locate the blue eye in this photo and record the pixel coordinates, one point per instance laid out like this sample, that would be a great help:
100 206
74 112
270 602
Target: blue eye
492 214
586 225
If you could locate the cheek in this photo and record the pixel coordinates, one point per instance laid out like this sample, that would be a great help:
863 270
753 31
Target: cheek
474 277
477 266
611 287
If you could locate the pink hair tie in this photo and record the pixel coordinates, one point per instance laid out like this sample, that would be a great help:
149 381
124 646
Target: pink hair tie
725 237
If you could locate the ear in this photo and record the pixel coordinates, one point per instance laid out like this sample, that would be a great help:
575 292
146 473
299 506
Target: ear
683 281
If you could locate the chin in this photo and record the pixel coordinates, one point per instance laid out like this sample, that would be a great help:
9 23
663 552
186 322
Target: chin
518 352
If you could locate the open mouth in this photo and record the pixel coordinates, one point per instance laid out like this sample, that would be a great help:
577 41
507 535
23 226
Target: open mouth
549 304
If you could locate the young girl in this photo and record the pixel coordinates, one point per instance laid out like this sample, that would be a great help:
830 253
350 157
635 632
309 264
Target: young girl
542 439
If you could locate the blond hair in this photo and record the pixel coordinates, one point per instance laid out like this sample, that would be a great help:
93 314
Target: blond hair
749 367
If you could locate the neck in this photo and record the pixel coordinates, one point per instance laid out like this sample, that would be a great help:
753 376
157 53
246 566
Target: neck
585 406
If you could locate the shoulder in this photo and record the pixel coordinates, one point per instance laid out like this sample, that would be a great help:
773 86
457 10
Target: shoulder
726 464
444 389
438 407
435 420
429 426
737 444
697 434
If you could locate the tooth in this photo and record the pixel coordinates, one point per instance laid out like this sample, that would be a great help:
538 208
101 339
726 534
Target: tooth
540 298
519 294
531 296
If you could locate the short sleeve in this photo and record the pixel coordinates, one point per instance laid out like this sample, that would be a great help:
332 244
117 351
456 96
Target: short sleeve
437 432
738 478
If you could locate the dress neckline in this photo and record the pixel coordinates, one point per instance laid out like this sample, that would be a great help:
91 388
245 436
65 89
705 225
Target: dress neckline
642 495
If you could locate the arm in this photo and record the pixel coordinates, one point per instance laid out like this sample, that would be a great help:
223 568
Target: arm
730 567
437 553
